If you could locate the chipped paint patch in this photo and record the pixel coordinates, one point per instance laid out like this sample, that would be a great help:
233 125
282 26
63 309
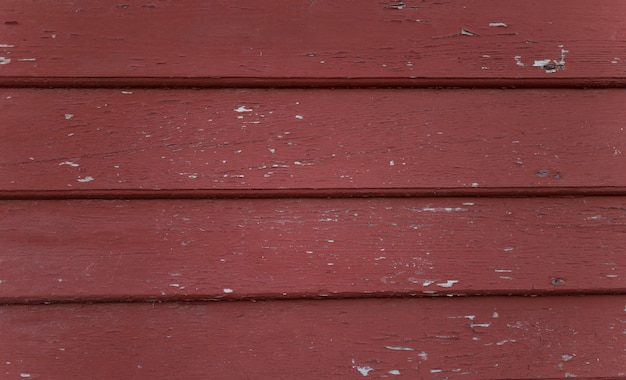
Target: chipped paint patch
518 61
6 46
228 290
394 372
68 116
423 355
86 179
5 61
363 370
70 163
242 109
447 284
498 24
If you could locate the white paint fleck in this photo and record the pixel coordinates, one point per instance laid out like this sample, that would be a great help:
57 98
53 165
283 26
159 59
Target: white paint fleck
86 179
468 203
6 46
68 116
330 240
444 209
518 61
474 184
70 163
242 109
506 277
569 374
502 270
127 92
228 290
391 163
272 150
394 372
423 355
495 314
436 370
399 348
507 249
174 285
567 358
299 117
427 283
4 61
502 342
472 325
498 24
26 59
24 374
447 284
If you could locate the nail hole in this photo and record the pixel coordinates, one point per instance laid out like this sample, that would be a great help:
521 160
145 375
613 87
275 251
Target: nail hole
556 281
542 173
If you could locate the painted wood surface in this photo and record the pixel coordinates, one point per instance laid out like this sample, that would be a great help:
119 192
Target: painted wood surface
213 141
473 338
293 248
246 42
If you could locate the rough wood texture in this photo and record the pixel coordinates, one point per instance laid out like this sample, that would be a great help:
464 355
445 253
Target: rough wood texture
246 42
477 338
197 249
469 141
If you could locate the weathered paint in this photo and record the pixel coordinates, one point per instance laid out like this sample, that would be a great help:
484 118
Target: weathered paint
308 145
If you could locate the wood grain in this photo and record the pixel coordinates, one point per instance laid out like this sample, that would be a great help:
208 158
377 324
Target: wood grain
478 338
211 142
244 43
89 250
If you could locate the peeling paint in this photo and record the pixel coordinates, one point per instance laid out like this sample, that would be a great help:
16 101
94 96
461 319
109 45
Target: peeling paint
228 290
70 163
498 24
86 179
394 372
4 61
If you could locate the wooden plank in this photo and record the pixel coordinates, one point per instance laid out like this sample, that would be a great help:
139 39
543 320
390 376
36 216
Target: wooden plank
245 42
478 338
116 142
292 248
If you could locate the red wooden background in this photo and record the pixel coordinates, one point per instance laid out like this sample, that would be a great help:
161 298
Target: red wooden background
312 189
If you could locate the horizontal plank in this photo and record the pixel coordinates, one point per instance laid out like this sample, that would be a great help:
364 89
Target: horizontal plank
292 248
478 338
197 43
469 141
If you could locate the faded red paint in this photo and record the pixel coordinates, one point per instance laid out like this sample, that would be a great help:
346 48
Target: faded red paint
152 202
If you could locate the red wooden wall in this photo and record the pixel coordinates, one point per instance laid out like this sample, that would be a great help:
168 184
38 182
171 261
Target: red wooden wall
312 189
